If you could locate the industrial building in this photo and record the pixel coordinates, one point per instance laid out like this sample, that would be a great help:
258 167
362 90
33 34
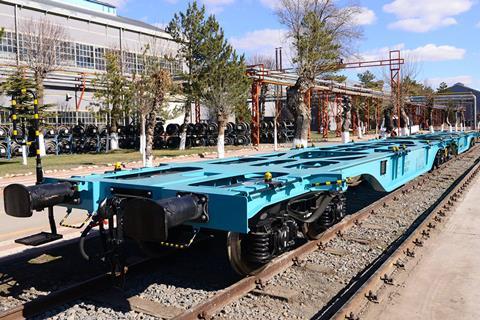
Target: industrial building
92 27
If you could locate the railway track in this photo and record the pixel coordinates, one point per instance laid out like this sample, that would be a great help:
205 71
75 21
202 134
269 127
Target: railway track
349 298
363 287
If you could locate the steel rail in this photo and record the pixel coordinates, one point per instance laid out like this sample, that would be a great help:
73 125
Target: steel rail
44 303
208 308
367 287
235 291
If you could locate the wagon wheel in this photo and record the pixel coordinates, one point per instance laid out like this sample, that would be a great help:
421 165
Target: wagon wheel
236 255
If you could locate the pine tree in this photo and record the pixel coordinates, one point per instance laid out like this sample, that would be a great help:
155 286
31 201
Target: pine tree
368 80
188 29
442 88
14 83
223 81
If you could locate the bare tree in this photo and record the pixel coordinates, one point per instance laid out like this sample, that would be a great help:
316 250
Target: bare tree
322 34
151 88
42 50
262 59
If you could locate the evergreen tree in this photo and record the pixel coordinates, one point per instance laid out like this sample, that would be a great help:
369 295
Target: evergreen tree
442 88
113 90
368 80
14 83
188 30
223 81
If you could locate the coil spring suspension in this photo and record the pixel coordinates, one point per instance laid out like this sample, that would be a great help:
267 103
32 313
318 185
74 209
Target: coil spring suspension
258 247
335 212
327 219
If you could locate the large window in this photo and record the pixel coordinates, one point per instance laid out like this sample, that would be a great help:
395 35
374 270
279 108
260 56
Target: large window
67 54
130 62
74 117
79 55
100 58
85 56
8 46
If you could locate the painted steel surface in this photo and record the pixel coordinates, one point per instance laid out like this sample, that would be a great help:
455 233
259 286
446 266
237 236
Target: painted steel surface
236 187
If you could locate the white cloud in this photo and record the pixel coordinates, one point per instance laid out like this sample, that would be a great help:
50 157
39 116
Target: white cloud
260 41
264 42
272 4
365 17
426 15
435 82
428 52
478 24
216 6
432 52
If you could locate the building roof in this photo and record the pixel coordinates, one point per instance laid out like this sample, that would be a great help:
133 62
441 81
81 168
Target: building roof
120 19
463 88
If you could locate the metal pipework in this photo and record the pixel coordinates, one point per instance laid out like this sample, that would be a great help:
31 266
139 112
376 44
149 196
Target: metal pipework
20 200
149 220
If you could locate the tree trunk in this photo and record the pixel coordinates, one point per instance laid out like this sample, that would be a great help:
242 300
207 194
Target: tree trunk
430 119
456 121
221 120
40 88
404 121
149 132
299 108
143 139
113 128
183 127
388 121
346 119
447 120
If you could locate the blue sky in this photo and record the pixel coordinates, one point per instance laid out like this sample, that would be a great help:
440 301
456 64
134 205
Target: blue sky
442 36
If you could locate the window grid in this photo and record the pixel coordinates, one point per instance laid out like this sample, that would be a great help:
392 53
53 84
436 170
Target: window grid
130 62
82 55
100 59
67 54
85 56
8 46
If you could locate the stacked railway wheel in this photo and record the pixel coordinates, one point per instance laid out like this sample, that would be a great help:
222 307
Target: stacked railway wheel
173 132
4 141
49 135
129 136
64 140
285 131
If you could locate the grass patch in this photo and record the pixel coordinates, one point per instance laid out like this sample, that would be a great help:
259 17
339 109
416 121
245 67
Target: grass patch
66 161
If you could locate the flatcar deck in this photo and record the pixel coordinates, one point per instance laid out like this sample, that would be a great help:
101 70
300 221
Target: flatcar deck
237 189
